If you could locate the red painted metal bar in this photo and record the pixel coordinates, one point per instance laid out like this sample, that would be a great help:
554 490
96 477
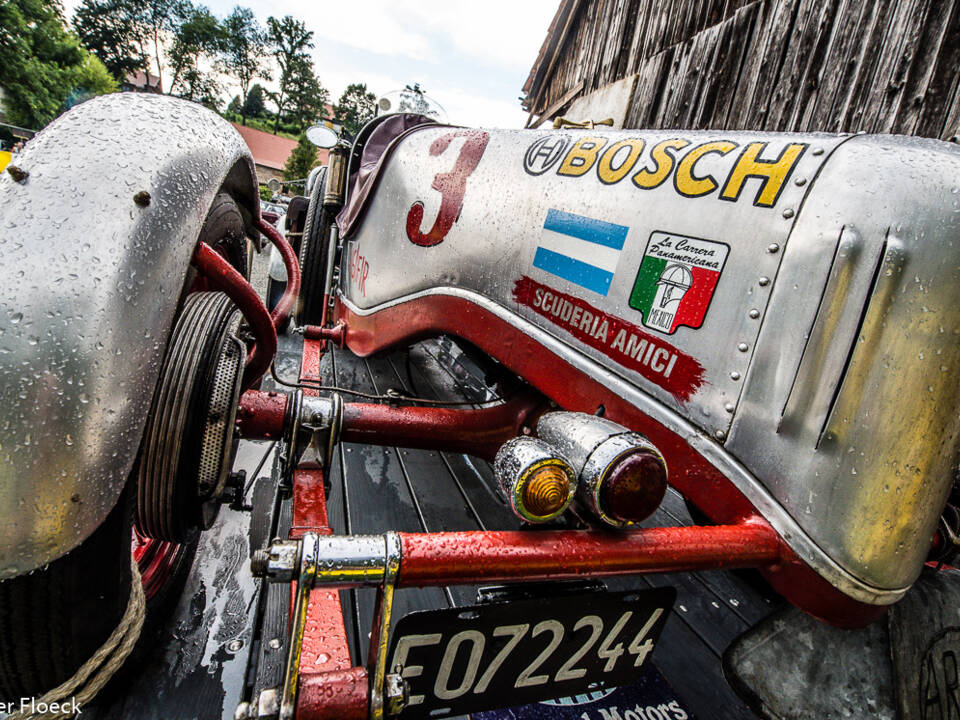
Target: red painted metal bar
329 687
261 415
341 695
478 432
223 276
450 558
334 334
281 312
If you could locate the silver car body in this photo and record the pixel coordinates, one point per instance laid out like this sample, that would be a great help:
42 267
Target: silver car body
815 367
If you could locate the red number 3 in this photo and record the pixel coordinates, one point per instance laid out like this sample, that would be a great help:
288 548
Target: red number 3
451 186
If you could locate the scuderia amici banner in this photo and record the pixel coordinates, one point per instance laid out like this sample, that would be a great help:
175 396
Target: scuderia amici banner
652 252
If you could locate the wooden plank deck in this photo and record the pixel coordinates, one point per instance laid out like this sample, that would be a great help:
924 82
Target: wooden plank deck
426 491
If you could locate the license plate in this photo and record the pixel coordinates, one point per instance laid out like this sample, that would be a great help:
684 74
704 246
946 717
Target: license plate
464 660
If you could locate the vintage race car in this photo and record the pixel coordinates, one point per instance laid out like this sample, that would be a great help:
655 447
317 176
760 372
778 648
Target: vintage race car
767 323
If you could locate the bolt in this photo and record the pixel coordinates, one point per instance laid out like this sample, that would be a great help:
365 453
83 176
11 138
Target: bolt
259 563
764 281
743 347
773 247
817 151
754 313
396 693
800 182
720 435
18 174
142 198
235 646
734 375
729 407
788 213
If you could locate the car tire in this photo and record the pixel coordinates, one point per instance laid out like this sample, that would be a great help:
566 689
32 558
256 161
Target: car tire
55 618
314 246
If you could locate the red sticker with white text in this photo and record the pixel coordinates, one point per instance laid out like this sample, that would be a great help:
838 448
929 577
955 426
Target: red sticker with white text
622 341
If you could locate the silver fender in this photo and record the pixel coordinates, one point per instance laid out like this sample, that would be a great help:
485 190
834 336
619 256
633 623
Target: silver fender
89 287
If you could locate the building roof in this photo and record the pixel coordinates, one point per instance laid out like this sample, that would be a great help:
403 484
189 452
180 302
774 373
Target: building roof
143 81
270 150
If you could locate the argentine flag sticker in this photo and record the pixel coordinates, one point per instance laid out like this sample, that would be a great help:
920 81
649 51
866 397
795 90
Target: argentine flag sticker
580 249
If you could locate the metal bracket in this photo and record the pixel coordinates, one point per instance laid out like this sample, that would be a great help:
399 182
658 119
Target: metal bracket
291 431
380 633
311 423
305 578
348 561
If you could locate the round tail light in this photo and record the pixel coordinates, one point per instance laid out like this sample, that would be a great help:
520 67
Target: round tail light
622 476
539 483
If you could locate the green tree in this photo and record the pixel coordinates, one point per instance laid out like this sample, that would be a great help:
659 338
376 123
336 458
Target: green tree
42 66
197 44
290 40
108 29
355 107
235 105
302 160
307 97
245 50
91 78
254 105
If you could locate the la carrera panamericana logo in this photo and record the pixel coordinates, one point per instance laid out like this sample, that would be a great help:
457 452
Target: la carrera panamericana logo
676 280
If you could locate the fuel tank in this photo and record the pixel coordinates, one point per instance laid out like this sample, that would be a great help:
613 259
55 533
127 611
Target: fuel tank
794 299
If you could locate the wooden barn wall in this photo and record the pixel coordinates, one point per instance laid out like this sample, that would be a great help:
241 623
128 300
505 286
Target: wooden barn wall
832 65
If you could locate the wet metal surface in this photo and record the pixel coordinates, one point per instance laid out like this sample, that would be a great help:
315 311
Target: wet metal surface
90 284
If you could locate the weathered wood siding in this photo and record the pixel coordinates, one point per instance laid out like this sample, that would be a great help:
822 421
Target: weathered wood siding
833 65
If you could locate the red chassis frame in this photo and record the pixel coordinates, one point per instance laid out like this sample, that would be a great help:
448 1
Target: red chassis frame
329 685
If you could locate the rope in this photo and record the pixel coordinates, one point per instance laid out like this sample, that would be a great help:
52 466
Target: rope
94 674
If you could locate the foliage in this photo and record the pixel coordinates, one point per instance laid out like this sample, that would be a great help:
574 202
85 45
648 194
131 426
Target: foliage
413 100
355 107
290 40
266 194
235 105
307 97
42 66
245 50
92 78
197 43
254 105
108 29
301 161
265 124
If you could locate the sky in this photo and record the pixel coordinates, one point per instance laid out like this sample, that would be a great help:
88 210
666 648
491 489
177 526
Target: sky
471 57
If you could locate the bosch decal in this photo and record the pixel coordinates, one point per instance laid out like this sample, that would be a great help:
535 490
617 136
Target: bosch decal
625 343
676 280
544 153
580 249
451 185
649 167
359 269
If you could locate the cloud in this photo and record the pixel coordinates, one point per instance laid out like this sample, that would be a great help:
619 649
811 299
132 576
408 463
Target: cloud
503 33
